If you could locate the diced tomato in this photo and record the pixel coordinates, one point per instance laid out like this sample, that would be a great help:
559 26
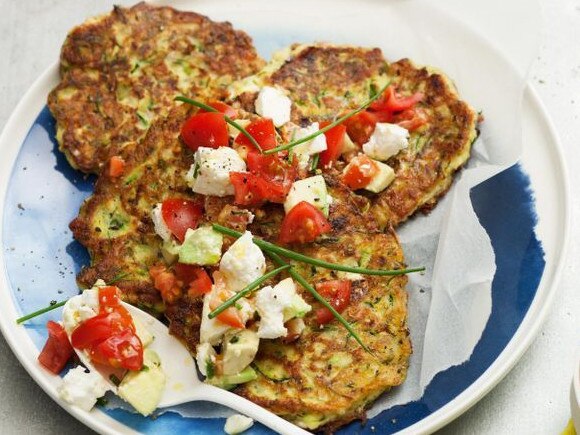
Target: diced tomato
250 189
120 350
57 350
231 316
180 215
390 101
108 297
96 329
166 282
195 277
411 119
360 127
116 166
205 129
278 173
334 144
263 131
337 293
359 172
303 224
229 111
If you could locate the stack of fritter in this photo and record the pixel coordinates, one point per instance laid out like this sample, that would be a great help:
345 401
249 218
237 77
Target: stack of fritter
120 73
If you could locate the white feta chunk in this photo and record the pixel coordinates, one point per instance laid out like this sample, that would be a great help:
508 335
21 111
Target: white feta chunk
210 173
382 179
80 308
386 141
312 190
237 424
242 263
161 227
81 388
305 150
273 103
276 305
211 330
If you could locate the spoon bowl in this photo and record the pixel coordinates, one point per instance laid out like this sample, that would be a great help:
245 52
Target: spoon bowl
183 384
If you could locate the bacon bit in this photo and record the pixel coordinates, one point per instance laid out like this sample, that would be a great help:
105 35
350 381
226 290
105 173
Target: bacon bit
116 166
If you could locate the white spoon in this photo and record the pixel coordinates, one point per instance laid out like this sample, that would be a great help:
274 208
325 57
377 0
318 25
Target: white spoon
183 384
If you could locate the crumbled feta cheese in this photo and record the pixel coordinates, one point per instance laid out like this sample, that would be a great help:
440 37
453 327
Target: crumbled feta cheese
161 227
210 173
243 263
305 150
80 308
206 358
237 423
273 103
276 305
82 389
386 141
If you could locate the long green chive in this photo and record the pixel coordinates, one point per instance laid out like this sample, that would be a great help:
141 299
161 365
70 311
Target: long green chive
300 279
270 247
247 290
314 163
39 312
227 118
329 126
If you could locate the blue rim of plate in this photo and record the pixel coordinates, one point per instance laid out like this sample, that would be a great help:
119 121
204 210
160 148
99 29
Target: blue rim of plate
45 193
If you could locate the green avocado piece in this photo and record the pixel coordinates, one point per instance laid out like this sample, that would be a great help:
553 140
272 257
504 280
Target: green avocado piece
227 382
202 246
143 389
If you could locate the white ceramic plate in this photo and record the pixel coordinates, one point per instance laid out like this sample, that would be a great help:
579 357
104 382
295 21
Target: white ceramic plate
39 258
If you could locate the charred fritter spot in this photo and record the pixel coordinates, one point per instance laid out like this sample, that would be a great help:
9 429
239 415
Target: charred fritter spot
121 71
325 378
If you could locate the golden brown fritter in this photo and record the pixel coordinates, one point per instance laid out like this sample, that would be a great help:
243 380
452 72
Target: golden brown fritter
121 71
324 80
325 378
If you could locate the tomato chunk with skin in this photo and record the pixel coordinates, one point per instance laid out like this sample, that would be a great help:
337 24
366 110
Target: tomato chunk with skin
334 144
120 350
57 350
180 215
230 316
194 277
337 293
390 101
263 131
303 224
98 328
205 129
359 172
360 127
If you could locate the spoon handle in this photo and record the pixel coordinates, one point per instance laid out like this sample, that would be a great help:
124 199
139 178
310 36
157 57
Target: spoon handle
244 406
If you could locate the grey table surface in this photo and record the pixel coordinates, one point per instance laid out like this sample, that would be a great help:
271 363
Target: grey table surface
533 397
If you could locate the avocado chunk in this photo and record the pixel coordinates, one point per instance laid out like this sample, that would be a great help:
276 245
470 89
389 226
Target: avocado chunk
312 190
202 246
143 389
227 382
239 350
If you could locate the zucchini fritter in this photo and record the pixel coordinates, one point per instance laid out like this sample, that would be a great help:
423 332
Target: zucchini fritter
120 71
324 80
